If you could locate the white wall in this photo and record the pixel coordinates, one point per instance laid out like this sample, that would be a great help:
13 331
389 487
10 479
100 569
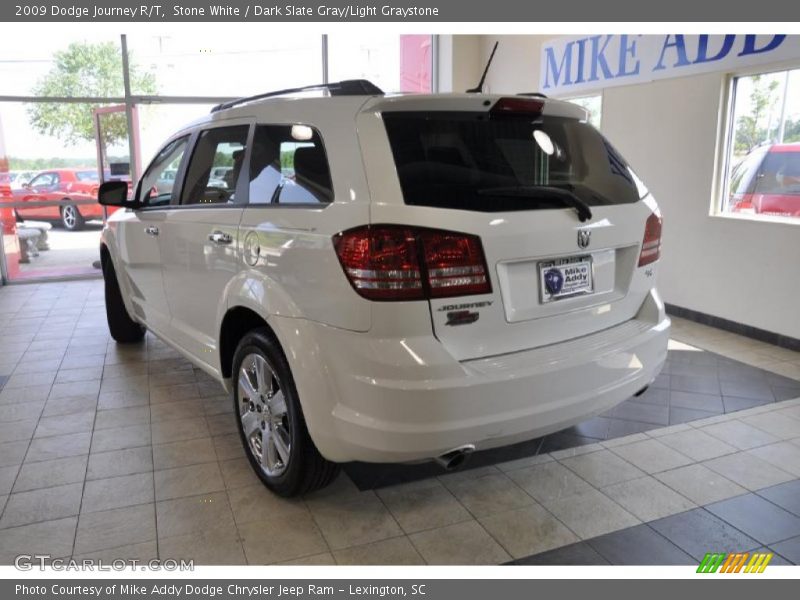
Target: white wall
459 60
744 271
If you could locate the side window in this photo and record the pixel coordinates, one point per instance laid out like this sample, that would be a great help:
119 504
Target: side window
289 166
208 179
44 180
159 179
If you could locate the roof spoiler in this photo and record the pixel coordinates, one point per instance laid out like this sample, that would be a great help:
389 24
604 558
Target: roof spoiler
348 87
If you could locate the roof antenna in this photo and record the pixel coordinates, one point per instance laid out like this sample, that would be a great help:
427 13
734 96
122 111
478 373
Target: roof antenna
479 88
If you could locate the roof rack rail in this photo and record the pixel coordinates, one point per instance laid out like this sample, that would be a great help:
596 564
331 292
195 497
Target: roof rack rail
533 95
348 87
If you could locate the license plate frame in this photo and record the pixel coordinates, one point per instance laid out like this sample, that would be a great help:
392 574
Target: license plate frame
576 278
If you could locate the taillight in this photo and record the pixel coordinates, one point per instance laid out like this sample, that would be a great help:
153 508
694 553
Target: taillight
396 262
517 107
651 244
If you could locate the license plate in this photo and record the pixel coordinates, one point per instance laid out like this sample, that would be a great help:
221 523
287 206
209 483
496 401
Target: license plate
565 278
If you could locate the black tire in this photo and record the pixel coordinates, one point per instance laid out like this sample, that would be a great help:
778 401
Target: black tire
123 329
71 218
307 469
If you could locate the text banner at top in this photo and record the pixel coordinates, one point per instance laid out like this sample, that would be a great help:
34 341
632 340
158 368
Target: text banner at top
400 11
580 64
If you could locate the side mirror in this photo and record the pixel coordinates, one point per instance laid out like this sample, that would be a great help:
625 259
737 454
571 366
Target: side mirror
26 185
114 193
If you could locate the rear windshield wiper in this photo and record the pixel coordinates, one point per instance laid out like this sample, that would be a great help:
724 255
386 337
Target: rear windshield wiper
532 191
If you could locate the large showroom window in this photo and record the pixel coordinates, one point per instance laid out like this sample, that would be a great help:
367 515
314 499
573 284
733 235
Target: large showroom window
401 63
762 173
64 110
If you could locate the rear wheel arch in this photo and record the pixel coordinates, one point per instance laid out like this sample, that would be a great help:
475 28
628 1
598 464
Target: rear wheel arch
238 322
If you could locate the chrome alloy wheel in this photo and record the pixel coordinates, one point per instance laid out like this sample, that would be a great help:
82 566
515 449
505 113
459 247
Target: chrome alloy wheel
265 420
70 216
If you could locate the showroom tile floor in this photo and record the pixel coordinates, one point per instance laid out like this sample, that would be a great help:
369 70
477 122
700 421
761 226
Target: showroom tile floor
129 452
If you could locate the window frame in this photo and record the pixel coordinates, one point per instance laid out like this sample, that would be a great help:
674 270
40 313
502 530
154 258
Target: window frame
720 189
294 205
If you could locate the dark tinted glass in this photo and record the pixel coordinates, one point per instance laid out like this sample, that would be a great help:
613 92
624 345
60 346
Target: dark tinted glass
216 148
470 161
289 166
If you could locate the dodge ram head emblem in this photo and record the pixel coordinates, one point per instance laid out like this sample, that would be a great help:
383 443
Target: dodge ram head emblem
584 236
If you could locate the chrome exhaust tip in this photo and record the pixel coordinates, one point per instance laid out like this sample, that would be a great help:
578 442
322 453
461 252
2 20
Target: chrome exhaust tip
455 457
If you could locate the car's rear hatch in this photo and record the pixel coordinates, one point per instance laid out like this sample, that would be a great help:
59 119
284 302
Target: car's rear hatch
521 178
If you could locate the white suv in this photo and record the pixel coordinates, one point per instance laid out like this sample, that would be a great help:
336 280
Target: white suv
392 278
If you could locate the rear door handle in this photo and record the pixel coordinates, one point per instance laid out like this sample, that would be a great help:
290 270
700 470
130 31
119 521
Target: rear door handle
220 238
151 230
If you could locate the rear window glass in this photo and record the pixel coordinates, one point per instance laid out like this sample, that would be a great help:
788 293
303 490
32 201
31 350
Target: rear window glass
469 161
779 174
86 175
289 166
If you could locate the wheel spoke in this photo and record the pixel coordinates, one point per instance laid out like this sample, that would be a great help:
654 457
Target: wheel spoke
263 376
269 456
246 386
251 423
280 439
277 405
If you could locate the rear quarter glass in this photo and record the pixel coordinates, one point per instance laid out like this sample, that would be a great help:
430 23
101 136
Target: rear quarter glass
473 161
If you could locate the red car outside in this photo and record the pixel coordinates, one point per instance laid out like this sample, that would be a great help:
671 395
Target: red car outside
72 188
767 182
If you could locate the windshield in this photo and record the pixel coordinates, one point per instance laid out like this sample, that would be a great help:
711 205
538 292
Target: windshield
471 161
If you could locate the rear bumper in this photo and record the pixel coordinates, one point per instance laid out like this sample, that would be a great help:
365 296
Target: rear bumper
409 400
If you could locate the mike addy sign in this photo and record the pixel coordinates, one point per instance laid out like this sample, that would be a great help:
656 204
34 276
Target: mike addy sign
584 63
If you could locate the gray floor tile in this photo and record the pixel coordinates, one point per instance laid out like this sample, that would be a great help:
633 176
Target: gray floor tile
697 384
773 524
49 537
354 521
395 551
639 545
120 438
423 505
50 473
461 544
216 546
12 453
60 446
789 549
490 494
698 532
80 422
120 462
114 528
679 415
41 505
194 514
527 531
188 481
755 390
17 431
117 492
579 554
785 495
639 411
602 468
